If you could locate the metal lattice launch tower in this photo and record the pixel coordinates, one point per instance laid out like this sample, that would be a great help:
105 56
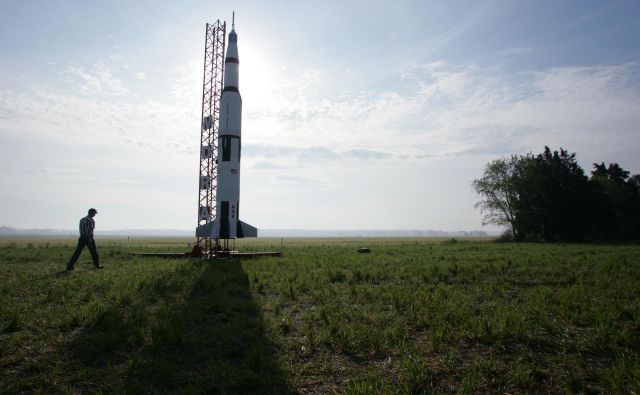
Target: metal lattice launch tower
220 143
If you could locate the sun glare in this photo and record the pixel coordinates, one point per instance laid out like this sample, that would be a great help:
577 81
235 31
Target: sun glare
256 73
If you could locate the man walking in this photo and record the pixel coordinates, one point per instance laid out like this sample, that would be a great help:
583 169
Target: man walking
87 224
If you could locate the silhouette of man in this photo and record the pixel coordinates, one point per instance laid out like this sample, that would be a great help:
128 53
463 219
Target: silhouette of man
87 224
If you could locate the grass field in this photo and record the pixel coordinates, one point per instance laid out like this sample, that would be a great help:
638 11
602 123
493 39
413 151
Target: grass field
412 316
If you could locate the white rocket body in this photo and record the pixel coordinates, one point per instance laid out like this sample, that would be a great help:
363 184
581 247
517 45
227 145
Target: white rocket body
227 224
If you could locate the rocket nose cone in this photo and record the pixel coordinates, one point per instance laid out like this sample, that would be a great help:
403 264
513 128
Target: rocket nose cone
233 37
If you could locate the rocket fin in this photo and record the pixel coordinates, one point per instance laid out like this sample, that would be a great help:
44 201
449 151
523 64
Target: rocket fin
211 229
246 230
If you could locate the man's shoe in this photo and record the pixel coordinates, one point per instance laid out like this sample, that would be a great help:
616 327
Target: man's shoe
100 267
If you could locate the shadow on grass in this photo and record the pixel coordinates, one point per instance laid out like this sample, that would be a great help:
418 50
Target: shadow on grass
209 339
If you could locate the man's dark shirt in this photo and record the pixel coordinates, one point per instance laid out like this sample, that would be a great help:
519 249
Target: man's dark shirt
87 224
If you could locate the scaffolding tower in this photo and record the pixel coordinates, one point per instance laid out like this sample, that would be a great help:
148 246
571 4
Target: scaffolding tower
212 85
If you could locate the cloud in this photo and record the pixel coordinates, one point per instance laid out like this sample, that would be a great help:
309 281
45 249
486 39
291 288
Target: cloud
279 154
96 106
518 51
95 81
429 111
440 110
70 175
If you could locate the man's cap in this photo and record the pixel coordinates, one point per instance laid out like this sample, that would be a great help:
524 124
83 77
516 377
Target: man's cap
93 210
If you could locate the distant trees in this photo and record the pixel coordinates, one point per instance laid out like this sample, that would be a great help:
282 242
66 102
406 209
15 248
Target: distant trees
548 197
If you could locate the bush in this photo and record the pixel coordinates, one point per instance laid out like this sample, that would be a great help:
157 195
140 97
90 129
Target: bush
506 237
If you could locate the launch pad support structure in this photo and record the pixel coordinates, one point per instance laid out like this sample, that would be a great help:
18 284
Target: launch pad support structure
212 85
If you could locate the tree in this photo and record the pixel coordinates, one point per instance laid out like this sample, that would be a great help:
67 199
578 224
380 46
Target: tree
561 199
619 204
543 197
548 197
497 193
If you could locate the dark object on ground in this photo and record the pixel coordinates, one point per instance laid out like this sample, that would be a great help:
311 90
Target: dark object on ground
364 250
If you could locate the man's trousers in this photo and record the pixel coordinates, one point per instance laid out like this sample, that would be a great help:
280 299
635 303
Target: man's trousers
82 242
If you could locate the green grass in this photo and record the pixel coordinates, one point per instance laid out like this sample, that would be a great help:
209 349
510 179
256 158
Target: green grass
412 316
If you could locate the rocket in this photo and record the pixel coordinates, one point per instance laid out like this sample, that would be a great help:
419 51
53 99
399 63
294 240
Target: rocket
227 224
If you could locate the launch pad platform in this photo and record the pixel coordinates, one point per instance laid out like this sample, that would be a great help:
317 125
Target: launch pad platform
219 255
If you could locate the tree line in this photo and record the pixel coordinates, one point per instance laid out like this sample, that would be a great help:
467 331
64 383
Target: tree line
548 197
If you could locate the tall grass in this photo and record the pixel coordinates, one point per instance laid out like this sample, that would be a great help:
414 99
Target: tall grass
412 316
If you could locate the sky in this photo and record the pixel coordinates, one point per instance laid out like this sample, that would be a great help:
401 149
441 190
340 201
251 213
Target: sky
356 114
